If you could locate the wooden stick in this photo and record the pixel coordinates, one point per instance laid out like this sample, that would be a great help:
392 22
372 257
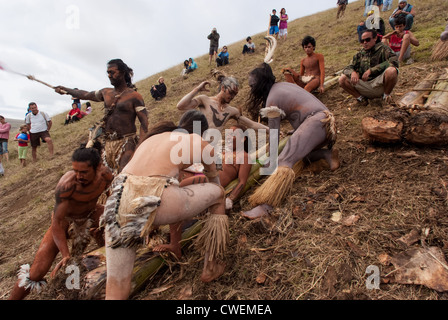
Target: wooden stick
428 89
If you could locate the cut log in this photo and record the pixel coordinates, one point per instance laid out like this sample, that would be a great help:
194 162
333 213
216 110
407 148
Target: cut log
147 264
438 99
427 128
417 95
417 121
385 131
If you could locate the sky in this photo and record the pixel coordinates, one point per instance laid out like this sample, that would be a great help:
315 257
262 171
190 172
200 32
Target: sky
68 42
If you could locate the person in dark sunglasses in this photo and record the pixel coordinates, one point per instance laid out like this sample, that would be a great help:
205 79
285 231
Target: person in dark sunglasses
373 71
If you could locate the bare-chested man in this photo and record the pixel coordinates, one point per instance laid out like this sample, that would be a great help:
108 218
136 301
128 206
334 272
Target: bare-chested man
217 109
314 128
76 207
147 194
312 68
122 105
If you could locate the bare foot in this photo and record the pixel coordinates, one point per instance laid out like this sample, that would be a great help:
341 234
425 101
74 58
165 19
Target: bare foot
334 160
212 270
168 248
257 212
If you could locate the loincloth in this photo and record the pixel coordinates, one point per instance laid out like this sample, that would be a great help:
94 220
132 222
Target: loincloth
79 232
132 206
307 79
114 148
330 128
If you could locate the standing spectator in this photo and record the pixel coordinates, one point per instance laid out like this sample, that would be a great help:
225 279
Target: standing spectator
283 30
249 47
158 91
214 45
273 24
73 115
373 71
379 4
5 127
23 138
387 5
223 57
405 8
342 4
77 101
39 125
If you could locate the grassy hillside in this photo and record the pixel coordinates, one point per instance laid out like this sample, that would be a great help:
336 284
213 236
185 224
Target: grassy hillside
298 252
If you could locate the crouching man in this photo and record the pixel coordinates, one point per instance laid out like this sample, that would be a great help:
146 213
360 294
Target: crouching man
147 194
76 216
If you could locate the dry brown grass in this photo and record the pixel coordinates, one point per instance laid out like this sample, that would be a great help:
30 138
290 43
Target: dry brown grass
299 252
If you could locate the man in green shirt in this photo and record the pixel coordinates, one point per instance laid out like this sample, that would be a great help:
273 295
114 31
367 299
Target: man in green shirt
373 71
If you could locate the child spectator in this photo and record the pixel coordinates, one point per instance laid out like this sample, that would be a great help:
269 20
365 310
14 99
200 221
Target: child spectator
88 109
223 57
400 40
23 138
249 47
312 68
273 24
283 26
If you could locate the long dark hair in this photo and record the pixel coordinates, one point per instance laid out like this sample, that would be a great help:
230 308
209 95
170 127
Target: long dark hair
90 155
264 80
186 122
128 72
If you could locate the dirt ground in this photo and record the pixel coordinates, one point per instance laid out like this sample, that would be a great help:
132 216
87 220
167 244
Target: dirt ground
303 250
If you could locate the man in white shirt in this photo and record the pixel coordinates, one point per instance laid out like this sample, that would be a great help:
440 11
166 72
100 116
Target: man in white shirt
39 124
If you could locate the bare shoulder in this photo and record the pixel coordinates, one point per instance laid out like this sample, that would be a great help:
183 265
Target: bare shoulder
136 94
66 185
106 174
233 111
202 100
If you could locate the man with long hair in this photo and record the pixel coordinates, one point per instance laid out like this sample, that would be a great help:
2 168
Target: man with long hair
122 105
76 216
314 129
147 194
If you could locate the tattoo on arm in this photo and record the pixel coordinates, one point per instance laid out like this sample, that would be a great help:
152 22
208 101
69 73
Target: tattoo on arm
188 191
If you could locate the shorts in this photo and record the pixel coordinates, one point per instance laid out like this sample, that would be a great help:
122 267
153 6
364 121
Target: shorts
373 88
3 147
283 32
406 55
273 30
213 50
22 152
35 137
